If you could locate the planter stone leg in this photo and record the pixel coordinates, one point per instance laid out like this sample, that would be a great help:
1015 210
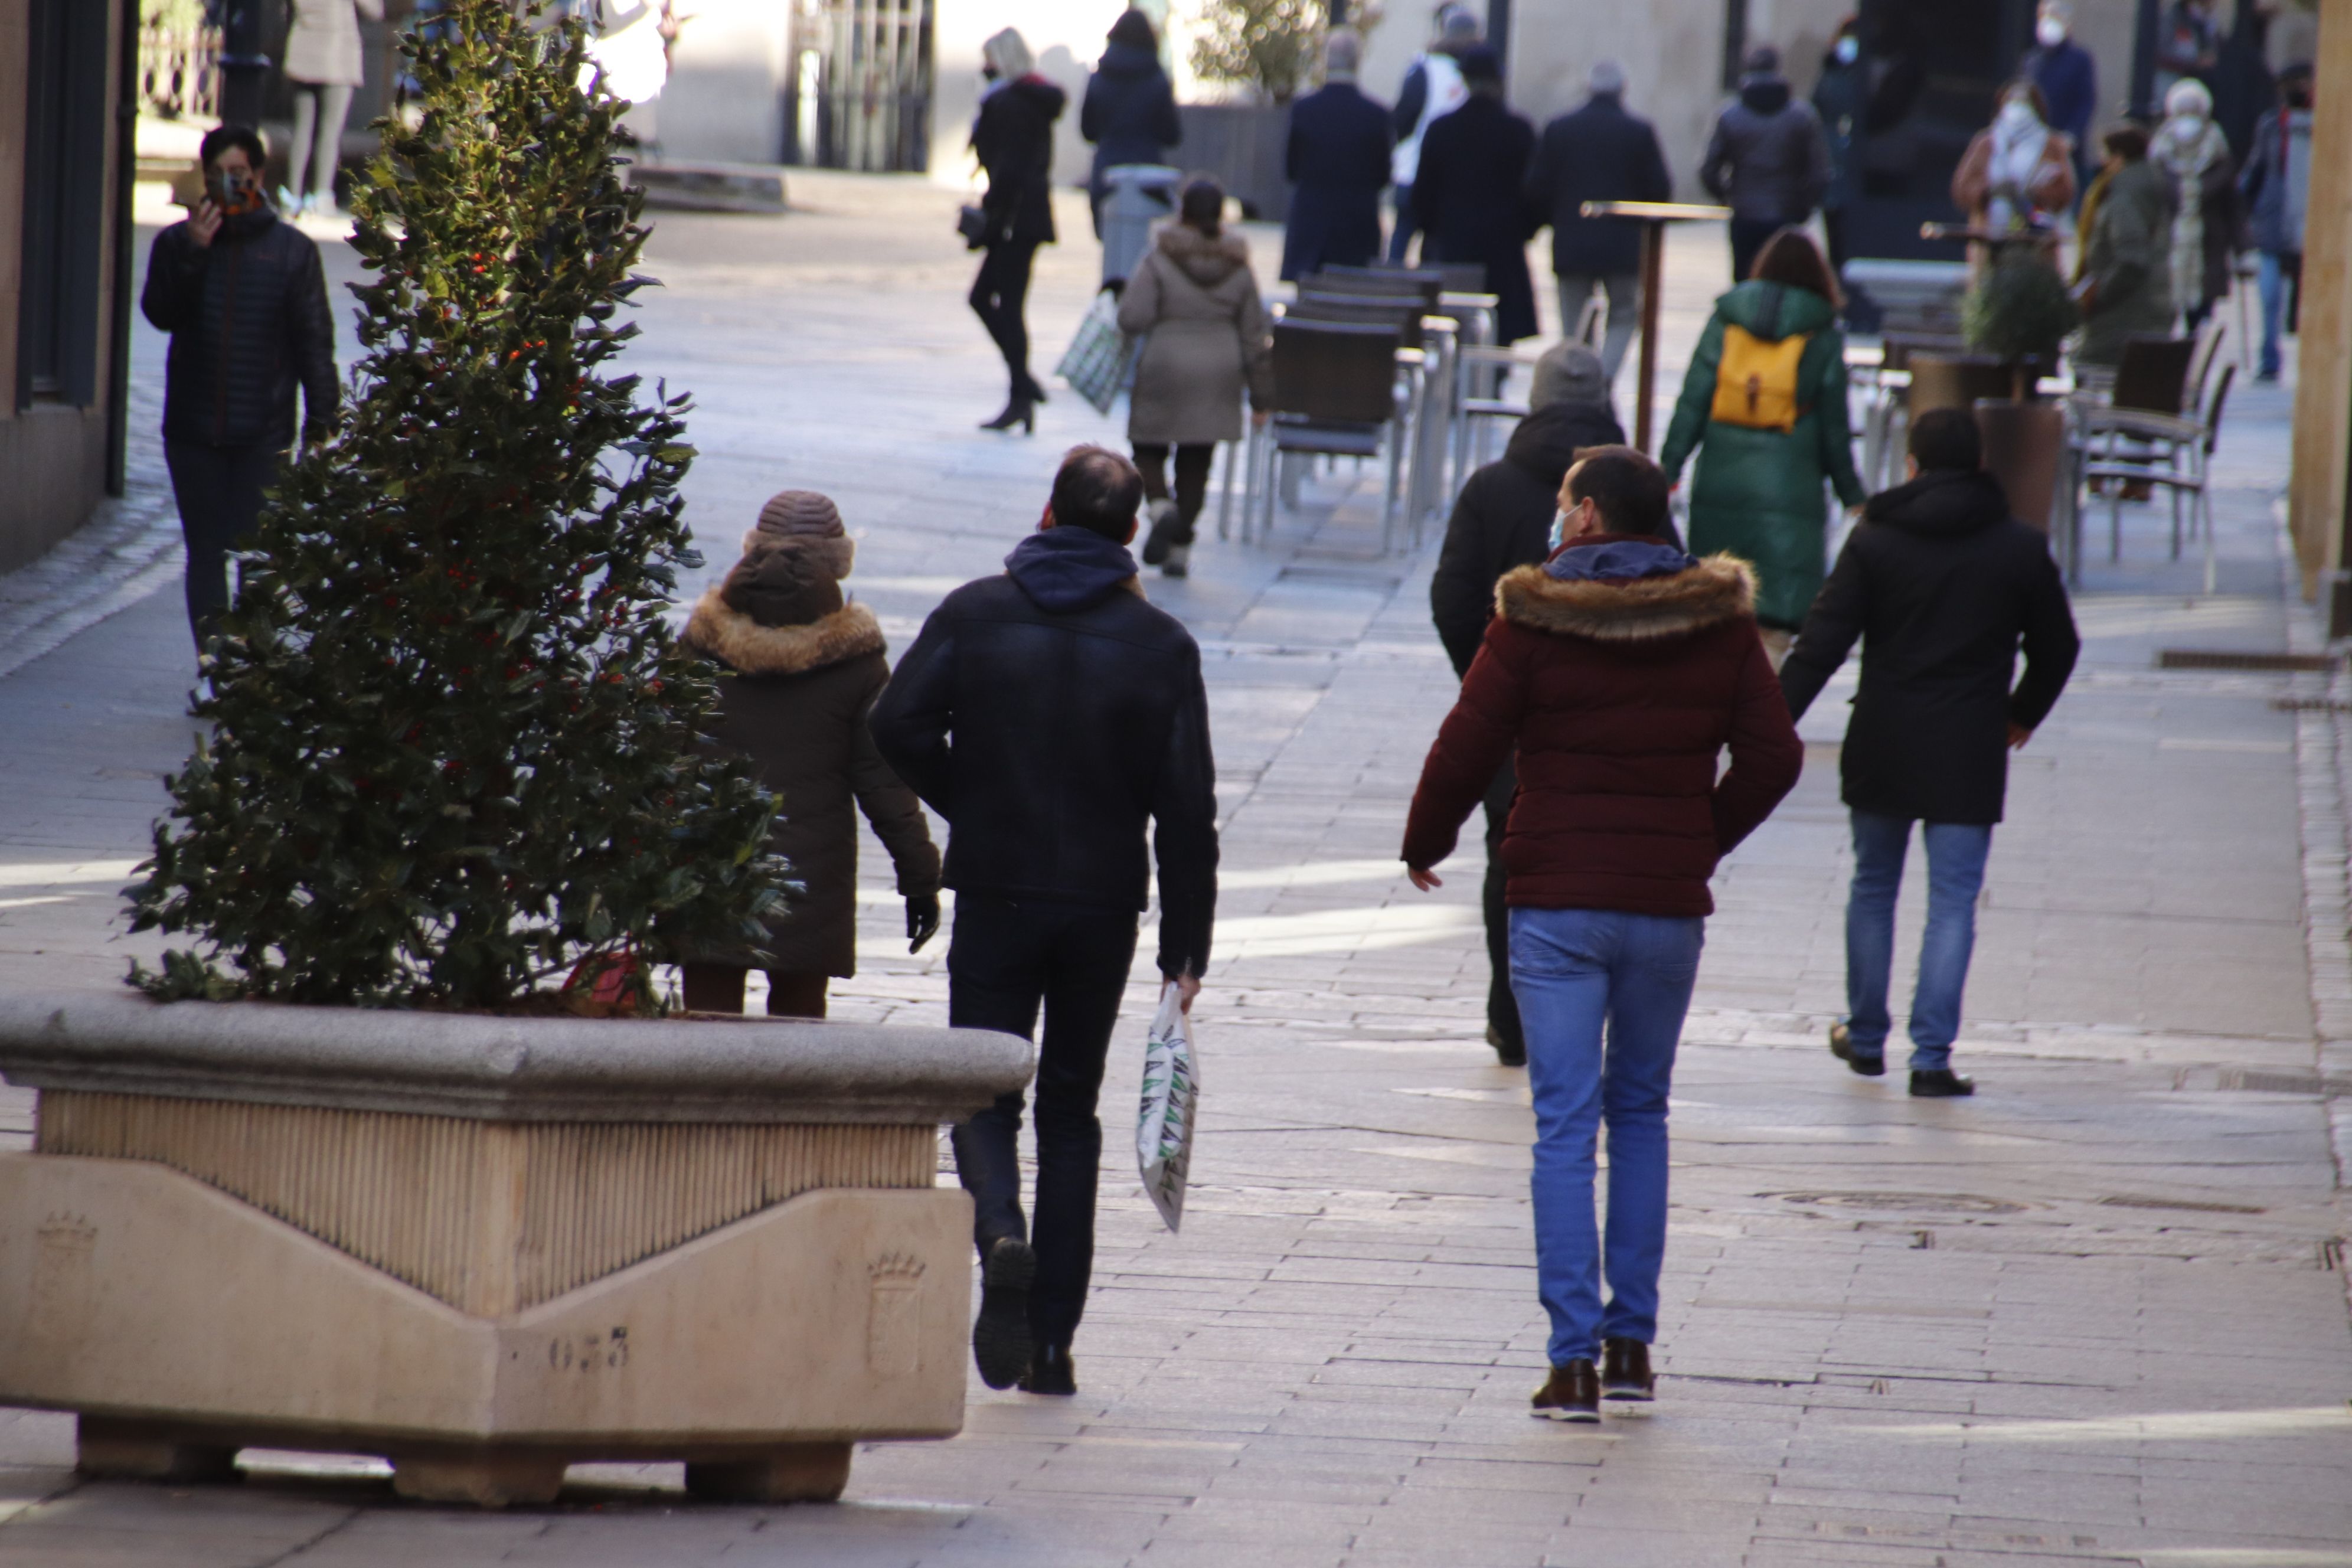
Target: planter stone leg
790 1472
492 1478
136 1450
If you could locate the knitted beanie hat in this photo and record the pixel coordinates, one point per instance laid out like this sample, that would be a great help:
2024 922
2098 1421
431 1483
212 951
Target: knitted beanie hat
781 583
1568 373
810 520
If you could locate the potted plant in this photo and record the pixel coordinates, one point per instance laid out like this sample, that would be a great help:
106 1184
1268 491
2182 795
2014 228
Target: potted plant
2020 312
413 1201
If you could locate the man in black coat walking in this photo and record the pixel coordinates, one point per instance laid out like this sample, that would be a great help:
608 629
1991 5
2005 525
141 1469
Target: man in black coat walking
1768 161
1503 519
1337 156
245 298
1598 153
1049 714
1470 193
1943 586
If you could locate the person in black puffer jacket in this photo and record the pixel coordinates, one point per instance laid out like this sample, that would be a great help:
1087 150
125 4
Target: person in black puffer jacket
1944 588
1129 113
1503 519
1050 714
245 298
1769 160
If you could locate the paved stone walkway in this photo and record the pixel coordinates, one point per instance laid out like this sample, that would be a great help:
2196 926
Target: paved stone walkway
2096 1315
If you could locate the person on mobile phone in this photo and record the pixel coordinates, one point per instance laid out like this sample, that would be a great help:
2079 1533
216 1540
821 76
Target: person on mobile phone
245 298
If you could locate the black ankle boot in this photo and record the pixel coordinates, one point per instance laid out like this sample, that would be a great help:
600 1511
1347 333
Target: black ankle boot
1051 1371
1018 410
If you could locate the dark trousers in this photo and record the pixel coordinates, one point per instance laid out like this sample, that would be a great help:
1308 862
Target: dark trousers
219 492
719 988
1006 958
1748 238
999 295
1193 466
1502 1006
1834 224
1401 232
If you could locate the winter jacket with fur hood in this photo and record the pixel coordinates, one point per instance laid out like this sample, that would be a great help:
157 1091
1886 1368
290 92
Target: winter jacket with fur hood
1942 587
1617 672
794 702
1198 299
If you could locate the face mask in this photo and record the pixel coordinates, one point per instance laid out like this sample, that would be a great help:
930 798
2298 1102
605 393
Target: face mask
2016 117
1559 529
988 73
1849 49
2051 31
234 191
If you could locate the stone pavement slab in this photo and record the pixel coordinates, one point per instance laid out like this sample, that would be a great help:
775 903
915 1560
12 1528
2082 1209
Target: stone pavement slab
2096 1315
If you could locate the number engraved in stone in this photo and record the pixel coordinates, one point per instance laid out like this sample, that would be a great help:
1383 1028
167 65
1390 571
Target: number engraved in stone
590 1352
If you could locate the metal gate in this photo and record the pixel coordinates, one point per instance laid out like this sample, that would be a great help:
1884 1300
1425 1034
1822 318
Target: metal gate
860 93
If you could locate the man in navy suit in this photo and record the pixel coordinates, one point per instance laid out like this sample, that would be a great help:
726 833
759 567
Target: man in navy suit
1338 159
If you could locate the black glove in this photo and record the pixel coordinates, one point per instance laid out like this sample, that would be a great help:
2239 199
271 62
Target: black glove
922 920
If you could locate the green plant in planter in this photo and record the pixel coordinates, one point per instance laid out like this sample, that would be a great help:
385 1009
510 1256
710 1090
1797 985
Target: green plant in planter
453 739
2018 311
1269 45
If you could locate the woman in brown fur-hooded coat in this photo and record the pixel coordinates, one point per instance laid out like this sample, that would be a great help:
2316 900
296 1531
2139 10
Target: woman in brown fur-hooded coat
802 670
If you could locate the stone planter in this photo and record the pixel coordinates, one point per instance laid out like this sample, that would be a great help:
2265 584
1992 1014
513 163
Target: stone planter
486 1248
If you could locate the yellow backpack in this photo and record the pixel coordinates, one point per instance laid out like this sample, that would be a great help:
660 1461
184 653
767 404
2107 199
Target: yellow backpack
1756 380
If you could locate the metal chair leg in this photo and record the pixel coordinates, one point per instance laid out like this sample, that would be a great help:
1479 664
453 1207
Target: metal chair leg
1225 499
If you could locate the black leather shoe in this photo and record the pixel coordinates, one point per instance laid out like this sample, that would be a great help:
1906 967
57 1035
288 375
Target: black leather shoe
1511 1053
1625 1371
1050 1371
1942 1083
1018 410
1000 1336
1572 1393
1841 1047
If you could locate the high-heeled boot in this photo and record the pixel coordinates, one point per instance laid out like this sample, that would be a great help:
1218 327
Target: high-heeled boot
1019 410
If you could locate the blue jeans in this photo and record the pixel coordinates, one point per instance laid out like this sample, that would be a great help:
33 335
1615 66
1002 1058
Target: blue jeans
1956 865
2276 271
1574 971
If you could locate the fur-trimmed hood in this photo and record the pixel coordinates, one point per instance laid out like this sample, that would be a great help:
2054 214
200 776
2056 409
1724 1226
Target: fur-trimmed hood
745 646
1716 589
1207 262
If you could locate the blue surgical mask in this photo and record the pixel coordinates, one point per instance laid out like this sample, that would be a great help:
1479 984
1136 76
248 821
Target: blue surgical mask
1849 49
1559 529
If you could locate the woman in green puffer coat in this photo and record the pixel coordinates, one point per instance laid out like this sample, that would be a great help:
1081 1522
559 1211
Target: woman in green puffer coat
1766 445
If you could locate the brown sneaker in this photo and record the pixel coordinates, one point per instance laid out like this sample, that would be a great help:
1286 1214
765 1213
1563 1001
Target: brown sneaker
1572 1393
1625 1371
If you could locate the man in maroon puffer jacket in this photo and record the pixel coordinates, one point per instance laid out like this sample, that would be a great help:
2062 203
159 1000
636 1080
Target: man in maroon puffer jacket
1618 671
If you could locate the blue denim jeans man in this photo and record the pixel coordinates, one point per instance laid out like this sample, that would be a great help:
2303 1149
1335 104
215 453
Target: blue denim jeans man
1956 867
1602 995
2278 272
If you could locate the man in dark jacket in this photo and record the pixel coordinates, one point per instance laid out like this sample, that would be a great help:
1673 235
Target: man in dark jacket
1618 671
1470 193
1048 714
1769 159
2276 187
1503 519
1942 586
1337 157
245 298
1598 153
1129 109
1841 101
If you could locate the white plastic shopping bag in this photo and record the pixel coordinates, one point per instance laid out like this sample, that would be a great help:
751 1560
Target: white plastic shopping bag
1171 1096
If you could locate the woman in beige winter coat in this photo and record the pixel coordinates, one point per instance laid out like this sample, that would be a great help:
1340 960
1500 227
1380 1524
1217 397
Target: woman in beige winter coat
322 67
1196 297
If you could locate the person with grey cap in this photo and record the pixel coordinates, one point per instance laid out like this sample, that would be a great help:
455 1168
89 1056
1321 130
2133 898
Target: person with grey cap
1337 158
1598 154
1503 519
802 670
1768 161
